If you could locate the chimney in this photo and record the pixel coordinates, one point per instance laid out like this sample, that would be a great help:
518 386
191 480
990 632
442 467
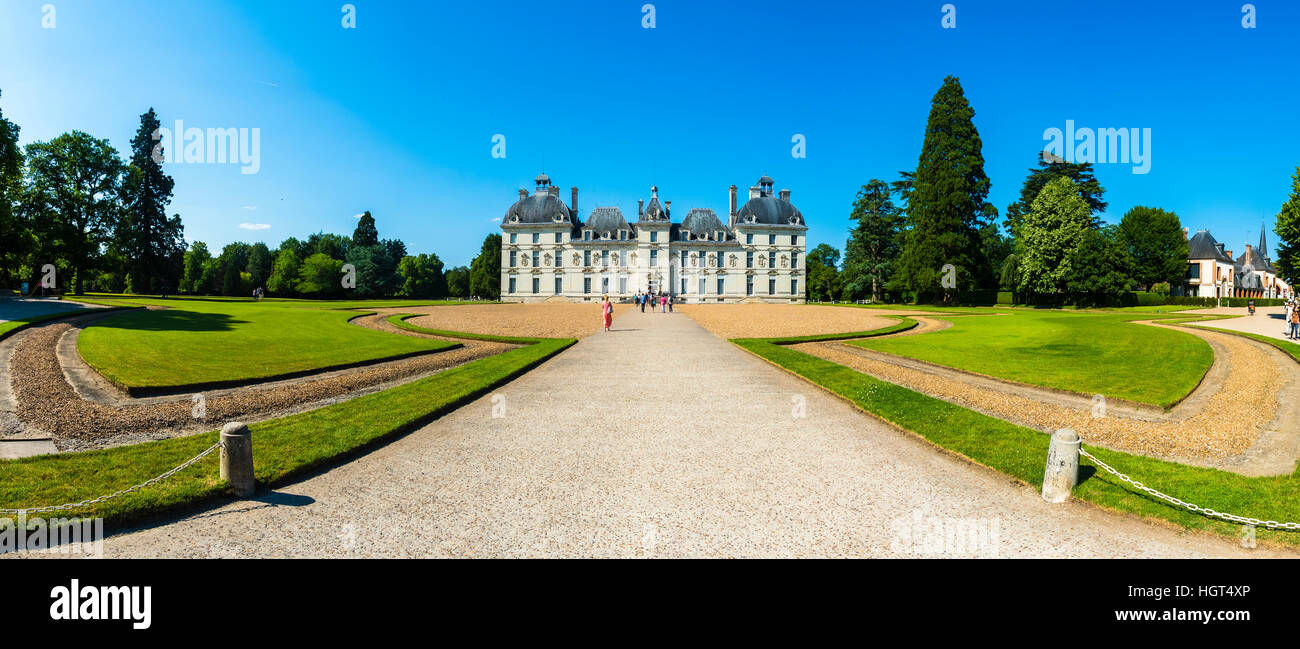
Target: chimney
573 204
553 191
732 205
754 192
1229 253
785 195
640 208
523 193
668 209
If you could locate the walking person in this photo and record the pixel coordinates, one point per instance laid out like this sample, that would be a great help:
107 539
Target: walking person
670 302
663 303
640 299
606 312
1295 323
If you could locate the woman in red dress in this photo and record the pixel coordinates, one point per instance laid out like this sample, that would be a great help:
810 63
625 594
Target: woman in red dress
607 312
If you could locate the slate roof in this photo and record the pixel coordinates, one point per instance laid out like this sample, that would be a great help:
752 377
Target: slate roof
606 219
769 210
701 220
538 208
1204 246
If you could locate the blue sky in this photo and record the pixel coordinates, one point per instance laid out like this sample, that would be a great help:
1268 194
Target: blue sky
397 116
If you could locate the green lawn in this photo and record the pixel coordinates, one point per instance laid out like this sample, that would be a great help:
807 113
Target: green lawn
10 326
1022 452
1079 351
282 448
198 342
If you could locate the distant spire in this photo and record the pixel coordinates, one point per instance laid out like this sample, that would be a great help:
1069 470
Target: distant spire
1262 249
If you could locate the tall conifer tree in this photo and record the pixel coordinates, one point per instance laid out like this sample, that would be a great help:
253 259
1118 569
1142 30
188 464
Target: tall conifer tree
946 205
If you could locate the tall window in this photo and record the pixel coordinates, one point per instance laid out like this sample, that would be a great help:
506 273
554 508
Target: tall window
794 239
683 286
720 256
537 259
559 284
586 285
654 236
749 285
604 258
559 258
720 291
654 257
537 285
559 237
771 286
771 239
604 285
749 238
513 237
586 257
703 283
512 258
512 285
537 237
683 259
771 260
622 285
794 260
749 259
794 287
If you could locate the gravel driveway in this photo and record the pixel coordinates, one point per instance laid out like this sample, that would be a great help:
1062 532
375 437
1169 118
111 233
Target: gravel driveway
659 439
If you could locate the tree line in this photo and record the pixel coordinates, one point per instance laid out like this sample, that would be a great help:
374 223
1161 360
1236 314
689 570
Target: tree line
73 205
931 234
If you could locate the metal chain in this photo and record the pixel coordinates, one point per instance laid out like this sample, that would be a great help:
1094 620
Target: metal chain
146 483
1186 505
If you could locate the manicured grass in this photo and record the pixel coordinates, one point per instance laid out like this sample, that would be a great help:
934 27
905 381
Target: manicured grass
220 342
282 448
1285 345
1083 352
9 327
1022 452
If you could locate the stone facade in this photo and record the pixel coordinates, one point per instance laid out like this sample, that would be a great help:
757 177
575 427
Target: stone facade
757 255
1212 271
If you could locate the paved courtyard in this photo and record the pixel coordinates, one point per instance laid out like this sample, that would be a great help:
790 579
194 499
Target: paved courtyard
1267 321
658 439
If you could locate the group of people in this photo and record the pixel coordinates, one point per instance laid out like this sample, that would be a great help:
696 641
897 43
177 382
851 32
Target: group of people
1293 318
665 301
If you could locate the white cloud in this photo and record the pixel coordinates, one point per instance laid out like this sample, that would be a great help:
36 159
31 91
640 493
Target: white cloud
250 207
268 83
255 226
357 216
495 219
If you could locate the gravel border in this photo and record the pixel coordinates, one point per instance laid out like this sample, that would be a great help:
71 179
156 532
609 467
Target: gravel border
1257 379
45 403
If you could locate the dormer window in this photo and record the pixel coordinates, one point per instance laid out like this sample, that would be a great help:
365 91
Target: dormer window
606 235
586 235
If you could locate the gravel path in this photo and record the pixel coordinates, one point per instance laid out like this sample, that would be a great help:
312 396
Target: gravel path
658 440
1219 430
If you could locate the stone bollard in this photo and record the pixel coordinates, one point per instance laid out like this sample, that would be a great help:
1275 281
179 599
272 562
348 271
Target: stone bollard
1062 472
237 458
